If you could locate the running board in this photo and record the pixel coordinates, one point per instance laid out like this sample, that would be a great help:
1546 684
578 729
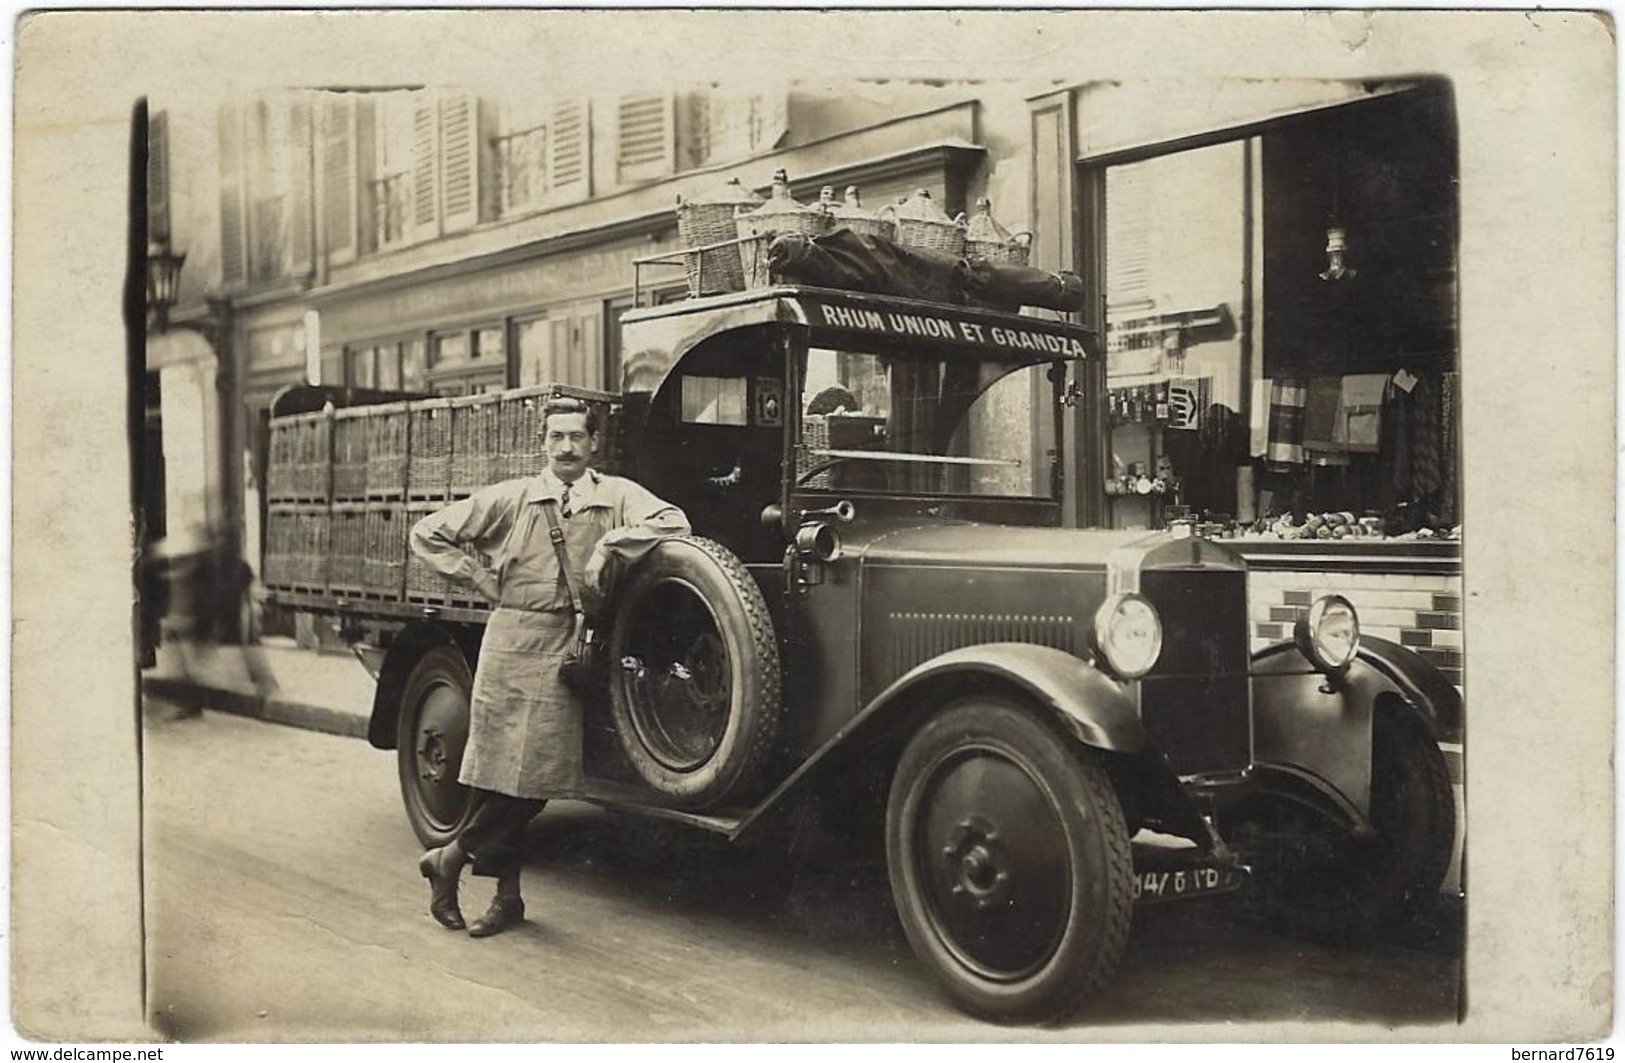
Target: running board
627 797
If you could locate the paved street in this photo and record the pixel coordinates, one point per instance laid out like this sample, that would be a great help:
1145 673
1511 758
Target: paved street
283 902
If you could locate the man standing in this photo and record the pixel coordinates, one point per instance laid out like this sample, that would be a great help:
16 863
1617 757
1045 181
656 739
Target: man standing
525 724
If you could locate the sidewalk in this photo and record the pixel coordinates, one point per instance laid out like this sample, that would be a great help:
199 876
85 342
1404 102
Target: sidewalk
316 691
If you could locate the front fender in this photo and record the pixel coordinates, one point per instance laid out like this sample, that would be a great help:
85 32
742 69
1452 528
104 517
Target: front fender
1094 707
1304 721
1090 705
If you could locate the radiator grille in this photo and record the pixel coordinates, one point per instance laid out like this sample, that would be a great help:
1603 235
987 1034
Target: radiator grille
918 637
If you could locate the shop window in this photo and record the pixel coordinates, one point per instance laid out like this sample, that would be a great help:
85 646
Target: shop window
358 366
1280 321
449 347
389 366
489 345
414 365
533 345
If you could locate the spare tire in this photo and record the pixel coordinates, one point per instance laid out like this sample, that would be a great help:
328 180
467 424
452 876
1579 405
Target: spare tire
694 683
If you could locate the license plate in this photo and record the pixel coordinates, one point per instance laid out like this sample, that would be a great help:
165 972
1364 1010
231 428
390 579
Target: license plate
1153 886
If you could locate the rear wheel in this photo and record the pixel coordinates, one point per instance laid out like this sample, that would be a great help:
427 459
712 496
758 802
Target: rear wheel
1316 878
430 736
1009 862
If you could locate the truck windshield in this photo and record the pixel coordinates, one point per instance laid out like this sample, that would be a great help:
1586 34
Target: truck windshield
876 423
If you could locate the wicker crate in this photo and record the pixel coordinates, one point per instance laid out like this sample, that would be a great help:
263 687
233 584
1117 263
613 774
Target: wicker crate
279 478
384 569
708 219
311 549
313 461
281 539
475 443
425 586
524 451
350 454
814 438
920 224
348 549
388 433
428 474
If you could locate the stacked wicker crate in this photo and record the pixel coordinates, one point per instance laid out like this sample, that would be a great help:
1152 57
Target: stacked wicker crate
350 454
523 451
428 473
348 542
312 556
480 419
384 568
346 535
388 440
298 493
313 468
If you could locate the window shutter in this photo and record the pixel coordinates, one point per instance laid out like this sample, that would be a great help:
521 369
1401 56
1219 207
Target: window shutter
300 198
233 227
425 168
338 171
460 162
645 137
772 120
366 171
569 149
158 177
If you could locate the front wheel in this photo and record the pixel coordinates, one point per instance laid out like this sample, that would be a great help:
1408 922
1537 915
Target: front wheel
430 736
1009 862
1316 879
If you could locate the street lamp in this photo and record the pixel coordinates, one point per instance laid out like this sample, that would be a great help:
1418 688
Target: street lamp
163 280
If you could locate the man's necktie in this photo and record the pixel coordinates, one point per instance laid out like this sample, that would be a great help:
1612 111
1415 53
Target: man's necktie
564 502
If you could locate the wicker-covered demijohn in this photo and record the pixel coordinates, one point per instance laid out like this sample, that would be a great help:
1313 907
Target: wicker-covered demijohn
921 224
781 215
708 219
850 214
988 240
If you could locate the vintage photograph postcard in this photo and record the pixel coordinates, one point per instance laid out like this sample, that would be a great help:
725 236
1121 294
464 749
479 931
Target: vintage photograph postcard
822 526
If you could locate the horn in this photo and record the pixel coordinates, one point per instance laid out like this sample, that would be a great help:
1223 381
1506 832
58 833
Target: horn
842 511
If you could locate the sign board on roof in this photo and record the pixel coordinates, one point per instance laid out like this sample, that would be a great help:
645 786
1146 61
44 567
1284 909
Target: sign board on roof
1045 339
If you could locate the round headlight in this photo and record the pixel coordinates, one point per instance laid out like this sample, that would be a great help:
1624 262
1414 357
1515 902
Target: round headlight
1128 634
1329 634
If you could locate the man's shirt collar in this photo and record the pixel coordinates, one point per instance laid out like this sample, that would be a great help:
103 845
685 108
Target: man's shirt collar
546 486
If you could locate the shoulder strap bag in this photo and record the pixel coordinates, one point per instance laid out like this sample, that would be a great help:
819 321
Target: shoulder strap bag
582 667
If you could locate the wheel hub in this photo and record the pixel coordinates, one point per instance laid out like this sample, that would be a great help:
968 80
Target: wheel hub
431 755
978 867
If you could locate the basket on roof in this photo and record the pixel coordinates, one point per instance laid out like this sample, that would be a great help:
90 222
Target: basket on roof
850 214
706 220
781 215
921 224
986 239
